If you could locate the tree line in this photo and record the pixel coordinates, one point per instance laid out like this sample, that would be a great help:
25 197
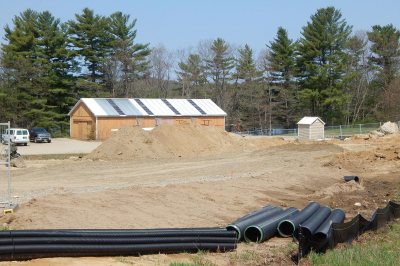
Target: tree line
331 71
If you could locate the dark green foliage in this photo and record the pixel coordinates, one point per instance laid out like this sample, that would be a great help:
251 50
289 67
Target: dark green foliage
191 75
35 62
46 66
281 67
385 55
90 38
385 60
219 69
320 62
247 104
127 57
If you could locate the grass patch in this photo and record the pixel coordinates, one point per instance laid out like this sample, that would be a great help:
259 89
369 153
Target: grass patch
374 248
246 257
199 259
4 228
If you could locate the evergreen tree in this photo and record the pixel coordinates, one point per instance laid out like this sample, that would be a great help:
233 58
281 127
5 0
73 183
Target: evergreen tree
128 57
90 38
219 69
247 100
35 68
18 56
56 64
321 61
281 69
356 81
385 58
191 75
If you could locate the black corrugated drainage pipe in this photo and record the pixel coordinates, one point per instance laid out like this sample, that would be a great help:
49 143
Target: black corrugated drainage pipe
75 250
240 225
337 216
195 232
348 178
266 229
287 227
256 212
29 244
314 221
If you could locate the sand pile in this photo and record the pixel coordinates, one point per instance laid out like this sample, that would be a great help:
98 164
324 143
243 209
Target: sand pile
166 141
387 150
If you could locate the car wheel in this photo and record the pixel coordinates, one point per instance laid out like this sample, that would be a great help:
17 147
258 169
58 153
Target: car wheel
49 141
25 144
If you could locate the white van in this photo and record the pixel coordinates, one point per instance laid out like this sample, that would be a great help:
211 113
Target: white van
16 135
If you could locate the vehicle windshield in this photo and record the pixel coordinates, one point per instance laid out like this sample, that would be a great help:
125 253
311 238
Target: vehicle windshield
40 130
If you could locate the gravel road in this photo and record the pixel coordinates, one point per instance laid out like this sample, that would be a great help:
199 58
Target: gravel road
59 146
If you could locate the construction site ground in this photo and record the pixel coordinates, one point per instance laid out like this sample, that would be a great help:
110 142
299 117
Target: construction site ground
209 189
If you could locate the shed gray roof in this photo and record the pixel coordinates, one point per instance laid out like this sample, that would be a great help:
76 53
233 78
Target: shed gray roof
150 107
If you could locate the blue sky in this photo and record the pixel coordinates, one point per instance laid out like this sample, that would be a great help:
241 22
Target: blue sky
183 23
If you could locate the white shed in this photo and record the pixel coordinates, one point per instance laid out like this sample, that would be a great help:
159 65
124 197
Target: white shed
310 127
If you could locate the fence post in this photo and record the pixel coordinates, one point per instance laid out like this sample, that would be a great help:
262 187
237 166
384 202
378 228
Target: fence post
360 129
340 130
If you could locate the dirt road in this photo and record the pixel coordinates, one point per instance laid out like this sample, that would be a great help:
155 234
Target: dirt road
59 146
184 192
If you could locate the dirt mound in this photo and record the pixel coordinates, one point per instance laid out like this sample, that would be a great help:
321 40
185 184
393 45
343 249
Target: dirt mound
336 188
166 141
385 150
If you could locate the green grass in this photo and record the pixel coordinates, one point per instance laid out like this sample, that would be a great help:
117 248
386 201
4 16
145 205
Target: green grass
199 259
379 248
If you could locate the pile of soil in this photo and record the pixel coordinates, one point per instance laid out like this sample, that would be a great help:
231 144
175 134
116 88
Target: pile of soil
343 187
166 141
386 150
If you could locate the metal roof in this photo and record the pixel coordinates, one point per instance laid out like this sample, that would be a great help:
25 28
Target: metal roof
157 107
309 120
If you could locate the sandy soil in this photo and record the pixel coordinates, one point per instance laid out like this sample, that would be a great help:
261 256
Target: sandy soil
204 191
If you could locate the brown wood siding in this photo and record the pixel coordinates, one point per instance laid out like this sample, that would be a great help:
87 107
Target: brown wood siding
83 123
106 125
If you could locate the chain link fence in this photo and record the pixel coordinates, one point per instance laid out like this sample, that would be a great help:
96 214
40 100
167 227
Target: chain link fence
340 131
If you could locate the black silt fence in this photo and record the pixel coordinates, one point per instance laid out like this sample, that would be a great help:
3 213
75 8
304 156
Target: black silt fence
346 232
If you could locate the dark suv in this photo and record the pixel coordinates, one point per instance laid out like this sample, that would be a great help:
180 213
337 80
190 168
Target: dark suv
39 134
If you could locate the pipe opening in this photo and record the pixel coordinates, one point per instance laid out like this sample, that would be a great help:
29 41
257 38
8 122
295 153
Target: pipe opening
253 234
286 228
233 227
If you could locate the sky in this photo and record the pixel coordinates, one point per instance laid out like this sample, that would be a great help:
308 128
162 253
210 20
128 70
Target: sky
181 24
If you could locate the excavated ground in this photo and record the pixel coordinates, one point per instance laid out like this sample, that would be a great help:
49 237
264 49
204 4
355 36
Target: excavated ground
123 185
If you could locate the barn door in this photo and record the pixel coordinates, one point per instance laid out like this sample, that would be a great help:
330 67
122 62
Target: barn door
83 129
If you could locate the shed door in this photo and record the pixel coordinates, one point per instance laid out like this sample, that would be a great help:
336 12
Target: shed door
83 129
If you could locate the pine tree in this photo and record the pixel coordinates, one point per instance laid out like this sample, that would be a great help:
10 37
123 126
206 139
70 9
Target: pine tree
128 57
219 69
18 56
247 99
36 63
191 75
281 68
356 81
89 35
385 59
321 61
